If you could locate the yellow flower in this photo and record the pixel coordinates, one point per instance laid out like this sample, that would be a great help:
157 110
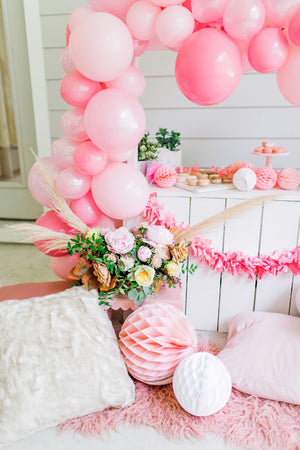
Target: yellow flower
173 269
144 276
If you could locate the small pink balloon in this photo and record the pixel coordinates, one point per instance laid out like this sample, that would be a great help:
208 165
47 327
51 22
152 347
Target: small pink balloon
62 266
167 2
36 182
101 47
268 50
62 152
52 221
89 159
86 209
114 120
79 15
77 90
139 47
208 11
67 35
288 77
73 184
117 7
174 24
141 18
106 224
127 187
242 19
243 47
132 81
72 124
208 67
294 28
122 157
280 12
66 60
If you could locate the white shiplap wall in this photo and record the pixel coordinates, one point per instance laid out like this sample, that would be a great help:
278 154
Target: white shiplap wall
216 135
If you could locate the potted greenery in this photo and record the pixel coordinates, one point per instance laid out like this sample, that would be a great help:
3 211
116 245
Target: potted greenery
148 151
169 143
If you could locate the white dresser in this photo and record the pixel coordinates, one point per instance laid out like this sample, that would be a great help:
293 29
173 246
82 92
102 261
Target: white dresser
211 299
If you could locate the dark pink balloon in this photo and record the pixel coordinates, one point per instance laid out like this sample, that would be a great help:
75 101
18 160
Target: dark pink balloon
139 47
89 159
62 266
208 67
52 221
77 90
86 209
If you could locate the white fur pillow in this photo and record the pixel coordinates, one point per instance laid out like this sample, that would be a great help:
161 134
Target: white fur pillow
59 358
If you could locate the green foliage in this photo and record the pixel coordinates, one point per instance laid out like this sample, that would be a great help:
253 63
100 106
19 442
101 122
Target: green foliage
169 140
147 150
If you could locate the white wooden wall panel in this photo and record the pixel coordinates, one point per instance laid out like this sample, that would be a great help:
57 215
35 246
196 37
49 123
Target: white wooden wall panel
59 6
279 231
204 286
237 292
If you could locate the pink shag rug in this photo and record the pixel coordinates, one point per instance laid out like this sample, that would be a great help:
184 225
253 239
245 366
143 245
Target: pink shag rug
245 420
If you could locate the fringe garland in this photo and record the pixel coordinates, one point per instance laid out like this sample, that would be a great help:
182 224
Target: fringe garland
236 262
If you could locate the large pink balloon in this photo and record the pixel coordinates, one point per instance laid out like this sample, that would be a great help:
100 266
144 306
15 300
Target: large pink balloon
86 209
208 10
141 18
268 50
62 152
52 221
174 24
294 28
66 60
132 81
122 157
280 12
242 19
79 15
62 266
72 124
288 77
101 47
77 90
89 159
120 191
36 182
208 67
73 184
117 7
114 120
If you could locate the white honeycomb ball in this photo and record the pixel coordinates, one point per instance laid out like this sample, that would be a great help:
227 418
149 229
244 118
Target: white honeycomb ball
244 179
202 384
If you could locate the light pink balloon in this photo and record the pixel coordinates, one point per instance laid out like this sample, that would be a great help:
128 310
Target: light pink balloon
243 47
66 60
167 2
72 124
114 120
101 47
139 47
52 221
79 15
268 50
89 159
86 209
174 24
288 77
208 10
294 28
117 7
280 12
73 184
106 224
36 182
63 265
242 19
132 81
120 191
67 35
208 67
62 152
141 18
122 157
77 90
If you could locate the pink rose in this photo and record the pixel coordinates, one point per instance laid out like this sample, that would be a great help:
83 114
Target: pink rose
144 253
160 235
120 241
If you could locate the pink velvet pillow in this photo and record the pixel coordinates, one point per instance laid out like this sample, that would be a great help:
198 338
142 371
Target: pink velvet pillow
262 355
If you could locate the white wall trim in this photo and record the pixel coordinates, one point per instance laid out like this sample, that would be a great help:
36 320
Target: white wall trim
38 77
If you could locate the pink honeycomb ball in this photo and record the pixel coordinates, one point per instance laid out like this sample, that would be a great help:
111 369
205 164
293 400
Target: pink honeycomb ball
151 171
165 176
233 168
289 178
266 178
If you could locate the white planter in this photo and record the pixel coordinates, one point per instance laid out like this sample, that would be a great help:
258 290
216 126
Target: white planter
142 166
169 158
